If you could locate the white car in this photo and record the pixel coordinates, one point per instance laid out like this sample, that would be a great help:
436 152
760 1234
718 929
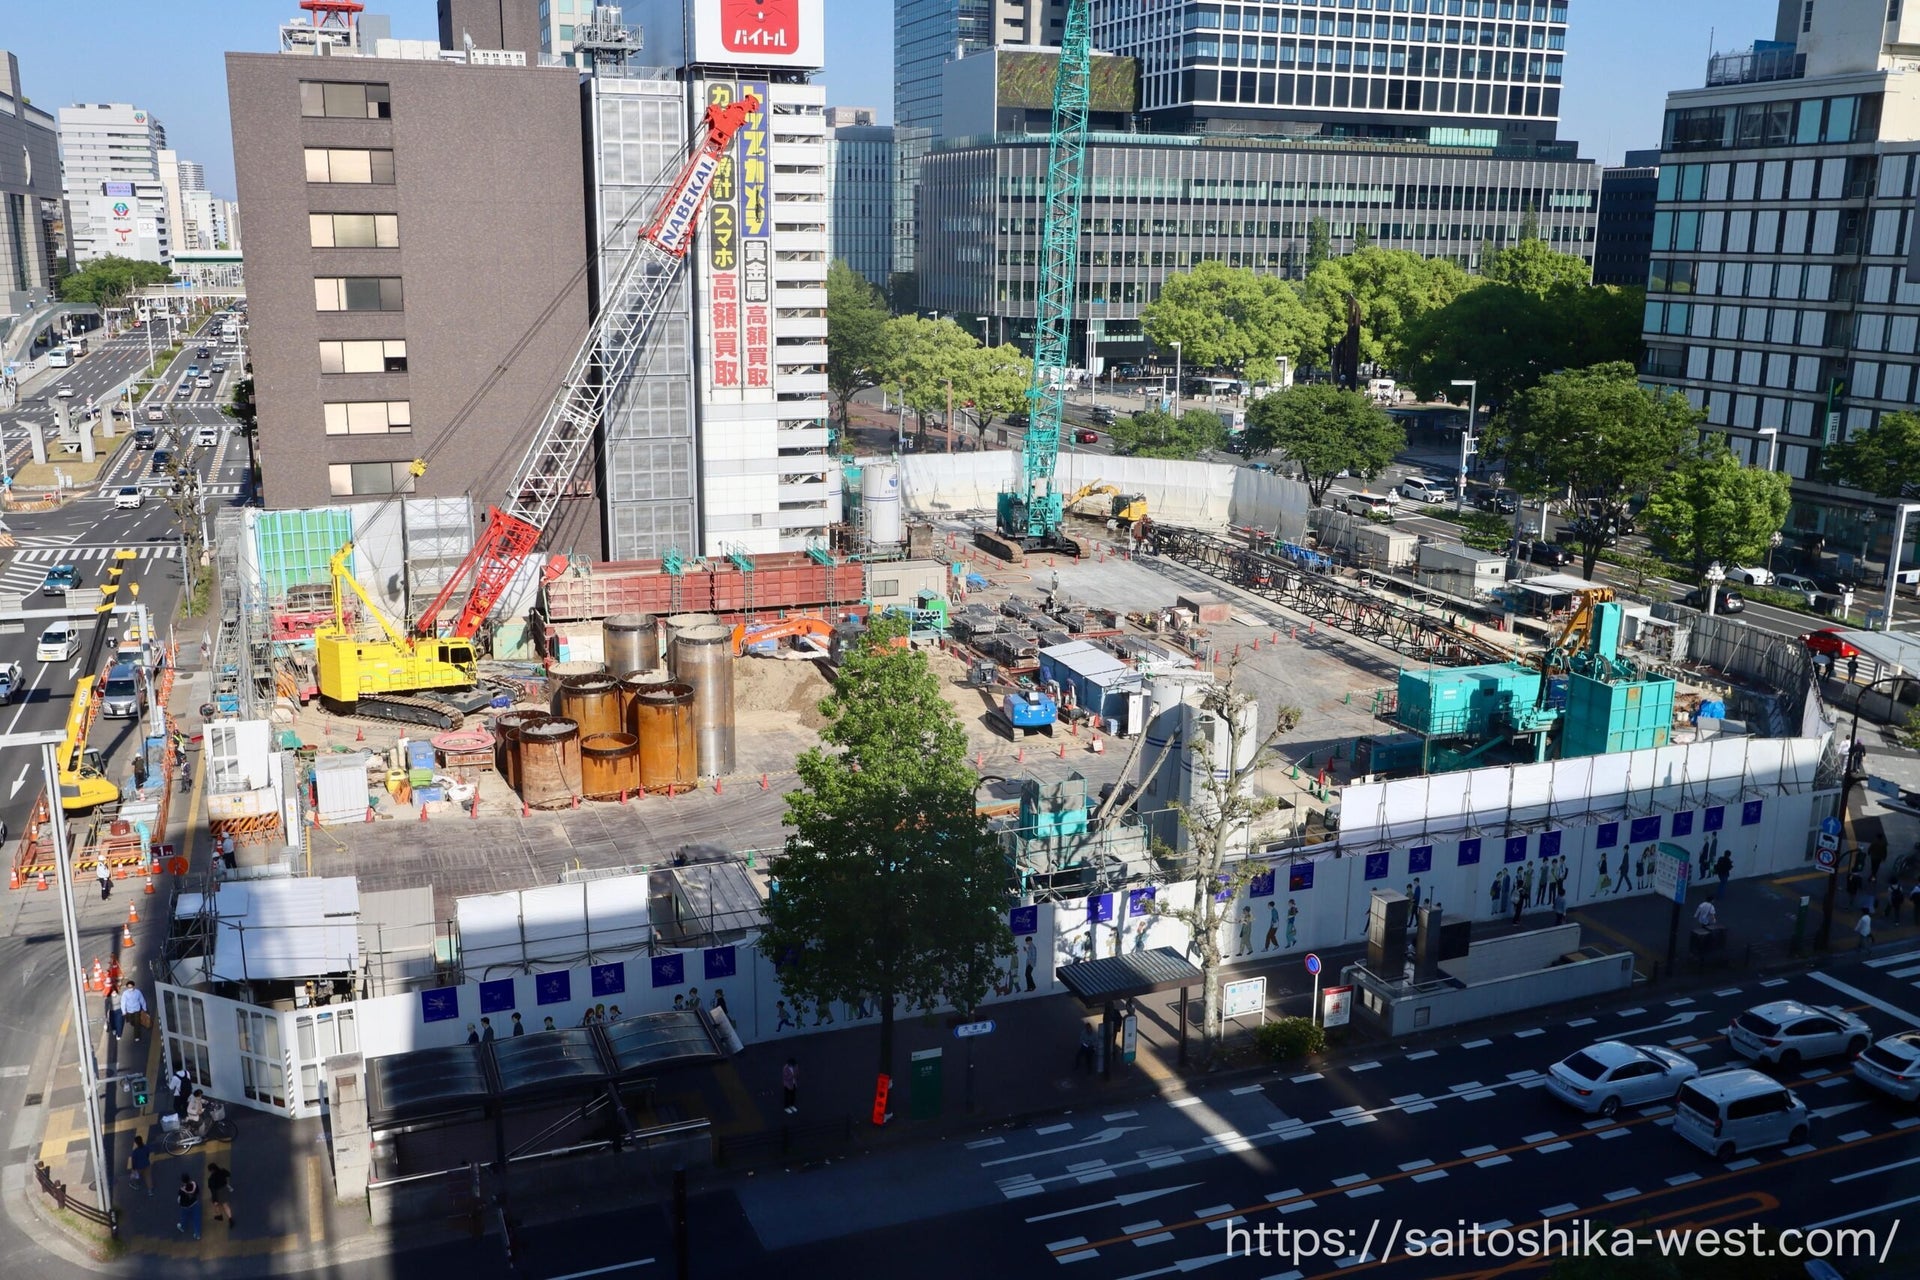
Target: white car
1604 1077
1804 587
1753 577
203 381
1369 504
1787 1033
1892 1066
1421 489
65 392
128 498
58 643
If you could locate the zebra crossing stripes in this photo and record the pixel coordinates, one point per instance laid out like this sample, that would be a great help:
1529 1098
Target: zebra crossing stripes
79 555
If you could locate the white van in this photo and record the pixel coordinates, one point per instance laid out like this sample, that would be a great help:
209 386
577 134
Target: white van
1374 505
1740 1109
206 437
1381 390
1421 489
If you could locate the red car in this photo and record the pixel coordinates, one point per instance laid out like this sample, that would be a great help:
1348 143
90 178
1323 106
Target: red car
1086 435
1828 644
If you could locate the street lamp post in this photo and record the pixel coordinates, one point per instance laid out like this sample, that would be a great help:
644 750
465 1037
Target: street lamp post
1176 380
1466 437
1850 778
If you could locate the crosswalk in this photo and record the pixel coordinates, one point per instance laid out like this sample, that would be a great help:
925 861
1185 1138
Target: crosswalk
1904 966
29 565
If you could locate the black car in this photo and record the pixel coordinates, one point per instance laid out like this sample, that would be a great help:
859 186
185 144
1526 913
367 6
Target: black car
1017 419
160 459
1582 529
1540 551
1501 501
204 352
1103 415
1727 601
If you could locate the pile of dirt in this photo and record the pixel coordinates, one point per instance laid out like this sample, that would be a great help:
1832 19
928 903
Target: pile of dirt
778 692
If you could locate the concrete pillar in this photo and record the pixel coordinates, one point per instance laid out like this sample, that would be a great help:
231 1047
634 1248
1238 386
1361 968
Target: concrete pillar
85 426
37 437
347 1114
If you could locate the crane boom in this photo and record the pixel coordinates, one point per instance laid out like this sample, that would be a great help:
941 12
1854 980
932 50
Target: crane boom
1031 517
607 356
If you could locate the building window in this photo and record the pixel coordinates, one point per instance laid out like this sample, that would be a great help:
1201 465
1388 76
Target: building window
378 355
349 165
354 230
368 417
357 293
345 101
354 479
1806 17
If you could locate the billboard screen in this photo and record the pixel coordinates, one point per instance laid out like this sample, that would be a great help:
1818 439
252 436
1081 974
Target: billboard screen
772 33
1026 81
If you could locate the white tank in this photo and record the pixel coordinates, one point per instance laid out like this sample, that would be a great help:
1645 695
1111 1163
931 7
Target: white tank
880 496
1211 749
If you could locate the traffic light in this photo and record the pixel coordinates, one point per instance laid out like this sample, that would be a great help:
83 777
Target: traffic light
141 1092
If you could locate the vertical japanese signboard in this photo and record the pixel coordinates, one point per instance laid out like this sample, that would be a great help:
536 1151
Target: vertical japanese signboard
723 258
756 244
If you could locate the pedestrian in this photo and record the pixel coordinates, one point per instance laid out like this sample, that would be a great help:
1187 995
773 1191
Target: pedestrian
1854 883
189 1205
1896 898
473 1034
486 1031
790 1084
1723 871
220 1191
116 1018
1706 915
133 1006
1853 667
228 853
549 1025
519 1028
105 873
1559 903
1876 856
1083 1058
139 1164
181 1085
1865 930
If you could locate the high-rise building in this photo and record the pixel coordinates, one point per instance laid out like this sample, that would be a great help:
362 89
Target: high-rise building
403 302
849 117
30 219
1623 233
1782 296
862 179
1420 73
1389 144
116 205
512 25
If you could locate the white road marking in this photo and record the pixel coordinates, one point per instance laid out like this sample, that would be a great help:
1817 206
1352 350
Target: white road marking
1312 1075
1625 1193
1529 1033
1905 973
1363 1066
1245 1089
1053 1128
601 1271
1423 1054
1184 1102
1582 1022
1736 1165
1629 1013
1431 1175
985 1142
1681 1180
1558 1209
1901 957
1870 1001
1855 1136
1092 1140
1476 1044
1554 1146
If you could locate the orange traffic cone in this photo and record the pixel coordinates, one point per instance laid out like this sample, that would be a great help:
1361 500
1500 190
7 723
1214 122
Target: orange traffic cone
99 979
149 880
423 811
13 880
126 937
716 786
133 914
43 880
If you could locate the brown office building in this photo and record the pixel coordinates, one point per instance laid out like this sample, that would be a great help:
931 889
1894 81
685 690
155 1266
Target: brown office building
415 252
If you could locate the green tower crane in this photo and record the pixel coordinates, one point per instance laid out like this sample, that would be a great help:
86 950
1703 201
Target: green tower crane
1029 518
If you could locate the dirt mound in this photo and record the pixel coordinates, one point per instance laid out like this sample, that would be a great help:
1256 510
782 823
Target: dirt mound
782 689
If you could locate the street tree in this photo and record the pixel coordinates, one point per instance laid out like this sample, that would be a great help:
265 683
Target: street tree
1226 317
992 383
1324 431
1394 288
1711 508
1319 243
1158 434
107 281
856 329
920 358
1508 337
1535 266
890 888
1884 459
1594 434
1218 825
1486 530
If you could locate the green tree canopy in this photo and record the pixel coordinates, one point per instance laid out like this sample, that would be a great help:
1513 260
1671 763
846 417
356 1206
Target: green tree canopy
1710 508
1533 265
1325 431
107 281
992 383
1594 433
919 357
1884 459
1158 434
856 329
1509 337
1225 317
1394 286
1319 243
890 887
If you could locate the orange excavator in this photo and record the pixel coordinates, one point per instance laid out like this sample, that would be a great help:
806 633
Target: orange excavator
745 634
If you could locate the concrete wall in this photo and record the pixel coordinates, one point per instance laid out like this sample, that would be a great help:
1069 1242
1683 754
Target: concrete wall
1516 953
480 260
1447 1006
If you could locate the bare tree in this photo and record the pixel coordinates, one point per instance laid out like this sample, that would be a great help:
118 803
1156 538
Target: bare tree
1219 823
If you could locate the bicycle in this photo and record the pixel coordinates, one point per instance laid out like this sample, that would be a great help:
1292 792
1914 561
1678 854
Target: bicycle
214 1126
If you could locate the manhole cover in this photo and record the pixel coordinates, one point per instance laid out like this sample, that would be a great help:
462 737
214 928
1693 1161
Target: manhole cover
35 1099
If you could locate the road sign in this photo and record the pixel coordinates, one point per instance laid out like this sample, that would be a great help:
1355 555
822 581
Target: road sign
1336 1006
1673 873
1827 857
1830 826
1313 964
1238 999
966 1029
